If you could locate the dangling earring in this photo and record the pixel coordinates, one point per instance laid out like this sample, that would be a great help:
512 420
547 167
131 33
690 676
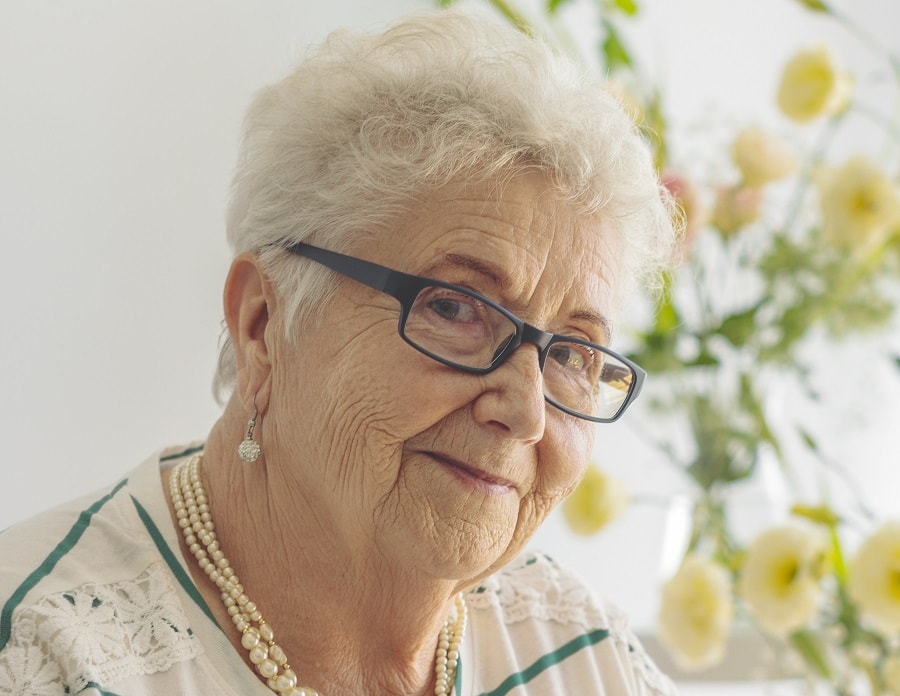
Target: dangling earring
249 449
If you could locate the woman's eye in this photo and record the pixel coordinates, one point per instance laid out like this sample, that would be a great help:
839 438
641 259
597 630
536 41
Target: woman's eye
572 357
452 309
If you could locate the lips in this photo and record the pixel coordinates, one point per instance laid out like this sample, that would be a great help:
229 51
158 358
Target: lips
490 483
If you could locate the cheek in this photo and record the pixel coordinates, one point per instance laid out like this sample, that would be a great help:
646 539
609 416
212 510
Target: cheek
377 393
565 451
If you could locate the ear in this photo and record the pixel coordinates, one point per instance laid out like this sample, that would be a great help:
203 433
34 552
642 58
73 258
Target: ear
250 302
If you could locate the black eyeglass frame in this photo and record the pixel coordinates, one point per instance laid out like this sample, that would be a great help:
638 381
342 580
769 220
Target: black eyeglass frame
405 288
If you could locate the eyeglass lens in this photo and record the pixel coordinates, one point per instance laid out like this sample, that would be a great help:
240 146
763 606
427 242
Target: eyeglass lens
466 332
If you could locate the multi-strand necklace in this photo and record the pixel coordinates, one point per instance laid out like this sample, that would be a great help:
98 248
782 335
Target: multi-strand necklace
257 637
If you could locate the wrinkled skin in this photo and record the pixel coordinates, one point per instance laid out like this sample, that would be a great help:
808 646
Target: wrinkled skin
389 481
393 449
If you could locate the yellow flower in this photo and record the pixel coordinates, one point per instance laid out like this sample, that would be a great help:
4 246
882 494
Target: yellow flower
780 577
812 85
875 577
890 671
696 613
734 208
860 205
761 157
597 501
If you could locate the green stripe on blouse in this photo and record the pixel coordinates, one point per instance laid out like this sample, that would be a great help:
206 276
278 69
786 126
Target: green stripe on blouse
183 453
169 557
44 569
549 660
96 687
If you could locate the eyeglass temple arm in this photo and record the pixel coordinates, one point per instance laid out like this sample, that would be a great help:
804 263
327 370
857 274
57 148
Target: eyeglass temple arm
365 272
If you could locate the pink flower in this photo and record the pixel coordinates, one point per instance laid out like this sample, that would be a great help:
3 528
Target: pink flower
690 208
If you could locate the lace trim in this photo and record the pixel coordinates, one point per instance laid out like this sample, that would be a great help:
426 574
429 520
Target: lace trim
536 587
97 634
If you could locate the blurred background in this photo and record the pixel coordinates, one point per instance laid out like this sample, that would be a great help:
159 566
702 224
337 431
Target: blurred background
118 132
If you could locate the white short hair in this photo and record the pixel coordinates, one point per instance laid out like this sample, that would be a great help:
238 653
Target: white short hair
367 124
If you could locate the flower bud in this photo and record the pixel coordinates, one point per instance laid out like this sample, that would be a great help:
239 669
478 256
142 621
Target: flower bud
761 158
812 85
734 208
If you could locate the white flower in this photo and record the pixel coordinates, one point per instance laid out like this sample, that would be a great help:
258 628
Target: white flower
780 577
860 205
875 577
696 613
596 502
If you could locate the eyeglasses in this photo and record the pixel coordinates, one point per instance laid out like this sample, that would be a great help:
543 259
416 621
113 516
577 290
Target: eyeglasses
469 332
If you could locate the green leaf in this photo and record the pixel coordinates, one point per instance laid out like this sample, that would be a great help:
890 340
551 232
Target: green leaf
739 328
752 404
820 514
807 644
815 5
838 561
614 52
513 16
554 5
667 317
808 440
629 7
703 359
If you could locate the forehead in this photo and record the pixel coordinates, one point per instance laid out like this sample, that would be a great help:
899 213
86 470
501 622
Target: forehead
538 253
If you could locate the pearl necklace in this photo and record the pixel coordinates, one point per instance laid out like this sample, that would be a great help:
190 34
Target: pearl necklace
192 510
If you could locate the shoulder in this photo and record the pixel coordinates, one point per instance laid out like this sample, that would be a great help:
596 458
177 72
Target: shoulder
86 596
558 634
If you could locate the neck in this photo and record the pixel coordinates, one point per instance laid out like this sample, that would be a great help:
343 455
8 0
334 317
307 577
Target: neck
348 621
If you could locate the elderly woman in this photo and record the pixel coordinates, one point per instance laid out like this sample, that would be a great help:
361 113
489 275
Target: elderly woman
433 228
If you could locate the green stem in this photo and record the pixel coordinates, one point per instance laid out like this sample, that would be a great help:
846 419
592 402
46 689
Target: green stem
819 151
885 123
868 40
513 15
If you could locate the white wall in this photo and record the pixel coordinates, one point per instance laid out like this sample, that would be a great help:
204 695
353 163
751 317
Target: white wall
118 132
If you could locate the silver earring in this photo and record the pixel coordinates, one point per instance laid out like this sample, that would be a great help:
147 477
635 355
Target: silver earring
249 449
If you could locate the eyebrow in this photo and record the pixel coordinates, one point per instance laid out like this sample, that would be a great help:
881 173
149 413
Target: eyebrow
501 280
596 319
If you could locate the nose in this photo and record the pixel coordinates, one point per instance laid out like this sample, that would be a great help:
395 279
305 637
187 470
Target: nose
512 400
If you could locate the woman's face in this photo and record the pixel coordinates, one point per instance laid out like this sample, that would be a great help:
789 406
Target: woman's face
408 461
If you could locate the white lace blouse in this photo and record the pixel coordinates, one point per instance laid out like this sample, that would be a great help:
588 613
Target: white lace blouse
95 599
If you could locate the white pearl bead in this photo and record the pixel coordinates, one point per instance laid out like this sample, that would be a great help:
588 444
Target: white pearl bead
249 640
285 682
277 654
267 668
259 653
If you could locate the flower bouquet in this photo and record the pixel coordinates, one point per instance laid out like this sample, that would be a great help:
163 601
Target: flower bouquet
791 247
